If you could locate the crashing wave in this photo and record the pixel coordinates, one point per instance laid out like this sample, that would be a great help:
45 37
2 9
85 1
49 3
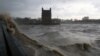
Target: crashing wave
62 41
55 43
31 47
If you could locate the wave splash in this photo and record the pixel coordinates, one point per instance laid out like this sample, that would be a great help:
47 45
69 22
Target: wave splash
68 40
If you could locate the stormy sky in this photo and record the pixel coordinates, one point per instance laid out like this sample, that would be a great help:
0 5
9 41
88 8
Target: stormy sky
64 9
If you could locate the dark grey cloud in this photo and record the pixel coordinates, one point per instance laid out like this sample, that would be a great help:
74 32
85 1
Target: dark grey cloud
61 8
13 5
19 7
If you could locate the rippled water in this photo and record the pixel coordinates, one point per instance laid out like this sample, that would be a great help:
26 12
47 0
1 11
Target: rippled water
68 39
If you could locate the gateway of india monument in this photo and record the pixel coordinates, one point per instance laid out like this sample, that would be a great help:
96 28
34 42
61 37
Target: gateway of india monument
47 18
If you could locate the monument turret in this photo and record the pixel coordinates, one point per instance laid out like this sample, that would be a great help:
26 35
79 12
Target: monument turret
46 17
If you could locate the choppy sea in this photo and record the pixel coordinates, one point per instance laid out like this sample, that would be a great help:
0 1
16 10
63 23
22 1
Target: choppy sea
66 37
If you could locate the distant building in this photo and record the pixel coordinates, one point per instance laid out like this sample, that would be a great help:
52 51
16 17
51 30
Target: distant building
85 18
46 17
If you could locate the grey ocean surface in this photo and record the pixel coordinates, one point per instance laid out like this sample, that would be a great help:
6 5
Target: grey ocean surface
64 37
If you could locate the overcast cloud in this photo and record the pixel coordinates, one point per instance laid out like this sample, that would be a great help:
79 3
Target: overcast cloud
60 8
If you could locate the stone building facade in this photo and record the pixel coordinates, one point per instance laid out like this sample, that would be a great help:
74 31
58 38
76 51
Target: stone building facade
46 17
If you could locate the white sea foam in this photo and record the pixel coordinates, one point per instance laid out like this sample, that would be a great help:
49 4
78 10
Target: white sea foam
64 35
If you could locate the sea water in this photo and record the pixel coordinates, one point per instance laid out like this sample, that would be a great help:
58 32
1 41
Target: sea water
66 37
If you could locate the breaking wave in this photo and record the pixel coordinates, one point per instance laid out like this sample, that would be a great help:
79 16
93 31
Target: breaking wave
67 39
